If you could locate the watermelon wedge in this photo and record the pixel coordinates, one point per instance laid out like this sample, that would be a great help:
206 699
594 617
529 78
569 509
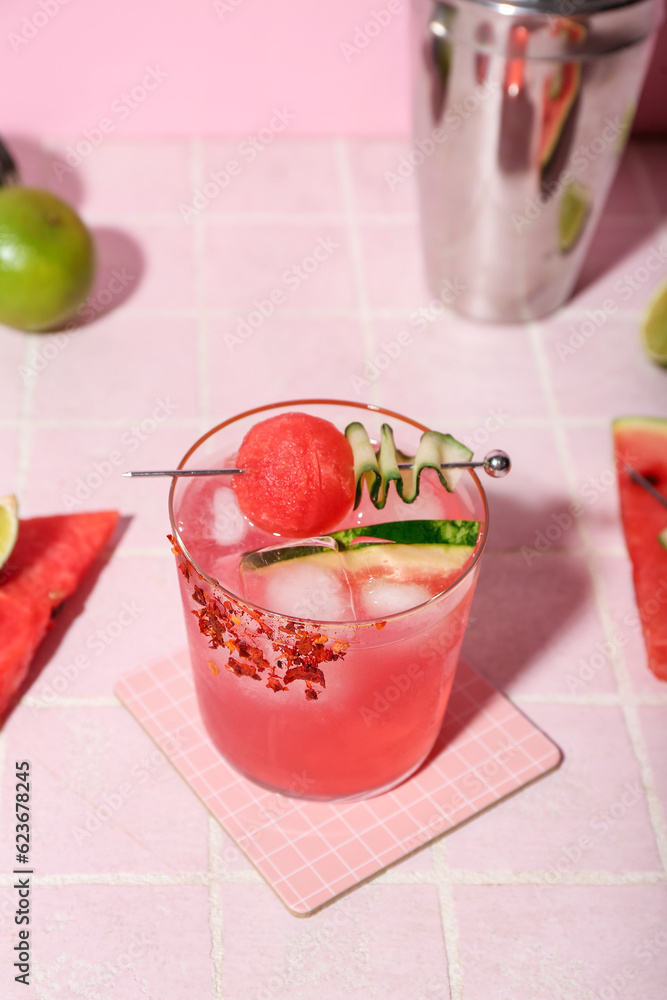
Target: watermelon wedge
46 565
641 443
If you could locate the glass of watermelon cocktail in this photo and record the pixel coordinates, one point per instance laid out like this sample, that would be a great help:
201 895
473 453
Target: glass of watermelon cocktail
319 673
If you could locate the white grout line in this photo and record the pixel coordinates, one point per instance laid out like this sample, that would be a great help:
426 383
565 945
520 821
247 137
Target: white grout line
617 658
92 701
215 905
442 876
197 171
594 877
564 699
356 253
115 878
450 926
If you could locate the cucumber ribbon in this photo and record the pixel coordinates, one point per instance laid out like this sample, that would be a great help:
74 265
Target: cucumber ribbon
381 469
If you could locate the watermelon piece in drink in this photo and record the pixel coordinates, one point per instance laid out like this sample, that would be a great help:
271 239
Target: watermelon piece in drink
323 664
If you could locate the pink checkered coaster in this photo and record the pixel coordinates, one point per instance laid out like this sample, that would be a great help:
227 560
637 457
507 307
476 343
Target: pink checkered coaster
309 852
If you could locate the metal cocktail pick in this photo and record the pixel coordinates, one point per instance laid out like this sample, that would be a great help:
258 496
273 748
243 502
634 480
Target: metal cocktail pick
496 463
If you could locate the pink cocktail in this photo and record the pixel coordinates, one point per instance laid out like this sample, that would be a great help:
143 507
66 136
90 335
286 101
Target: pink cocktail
315 677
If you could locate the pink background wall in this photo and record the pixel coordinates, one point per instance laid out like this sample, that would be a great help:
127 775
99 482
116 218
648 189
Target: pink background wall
67 63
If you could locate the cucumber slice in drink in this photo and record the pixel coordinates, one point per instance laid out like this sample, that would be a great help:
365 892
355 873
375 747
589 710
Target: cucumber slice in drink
412 533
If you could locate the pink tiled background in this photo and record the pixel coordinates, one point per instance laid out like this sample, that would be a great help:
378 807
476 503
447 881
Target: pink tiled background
556 892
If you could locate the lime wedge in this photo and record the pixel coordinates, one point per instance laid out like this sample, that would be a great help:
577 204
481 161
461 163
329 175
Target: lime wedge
9 526
574 208
662 538
654 327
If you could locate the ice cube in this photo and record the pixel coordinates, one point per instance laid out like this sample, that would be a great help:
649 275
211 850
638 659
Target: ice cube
228 526
311 585
378 598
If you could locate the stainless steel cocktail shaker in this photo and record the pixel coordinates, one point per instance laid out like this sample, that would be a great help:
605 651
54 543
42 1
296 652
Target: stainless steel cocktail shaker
521 114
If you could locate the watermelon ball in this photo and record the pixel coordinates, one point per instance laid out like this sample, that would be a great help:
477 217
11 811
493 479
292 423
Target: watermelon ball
298 477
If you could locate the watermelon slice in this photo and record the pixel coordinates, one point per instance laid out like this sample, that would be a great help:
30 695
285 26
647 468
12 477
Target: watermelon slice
641 443
45 567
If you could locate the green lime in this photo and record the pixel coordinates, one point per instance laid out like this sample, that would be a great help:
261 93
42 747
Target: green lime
654 327
573 213
47 259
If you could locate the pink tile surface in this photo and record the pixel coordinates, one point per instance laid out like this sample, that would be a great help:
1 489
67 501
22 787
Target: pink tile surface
535 628
126 177
531 507
349 949
141 360
135 611
625 262
115 940
263 353
625 379
371 162
13 348
9 448
74 470
392 266
307 264
298 175
492 369
117 795
520 943
592 451
306 860
655 734
628 636
590 816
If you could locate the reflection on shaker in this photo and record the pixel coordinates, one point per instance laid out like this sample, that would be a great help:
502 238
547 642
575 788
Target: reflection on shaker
517 110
